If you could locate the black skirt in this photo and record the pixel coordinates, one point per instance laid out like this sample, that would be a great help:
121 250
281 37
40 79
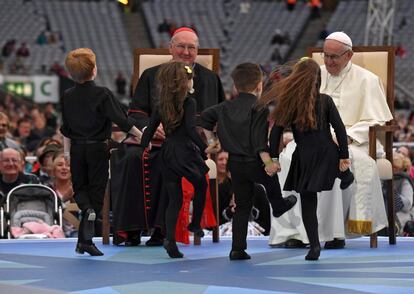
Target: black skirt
183 158
313 168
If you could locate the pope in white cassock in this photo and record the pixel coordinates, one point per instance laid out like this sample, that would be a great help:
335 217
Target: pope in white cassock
359 210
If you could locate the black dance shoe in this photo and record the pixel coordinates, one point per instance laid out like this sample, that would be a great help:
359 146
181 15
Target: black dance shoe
238 255
347 178
89 248
172 249
197 231
313 253
293 243
290 201
335 244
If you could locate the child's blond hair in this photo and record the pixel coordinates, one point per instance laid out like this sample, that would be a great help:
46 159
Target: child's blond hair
81 63
401 162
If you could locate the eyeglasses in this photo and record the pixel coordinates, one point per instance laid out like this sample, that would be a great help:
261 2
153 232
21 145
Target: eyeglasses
10 160
4 125
182 47
333 57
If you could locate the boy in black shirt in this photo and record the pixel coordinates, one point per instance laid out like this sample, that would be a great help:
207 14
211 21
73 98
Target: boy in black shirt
87 114
243 133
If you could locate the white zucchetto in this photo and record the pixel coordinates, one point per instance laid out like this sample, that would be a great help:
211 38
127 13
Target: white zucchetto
340 37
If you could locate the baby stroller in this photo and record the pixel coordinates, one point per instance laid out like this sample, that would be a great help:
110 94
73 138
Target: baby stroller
31 211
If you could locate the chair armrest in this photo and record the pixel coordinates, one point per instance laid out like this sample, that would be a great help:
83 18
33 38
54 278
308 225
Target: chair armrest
388 129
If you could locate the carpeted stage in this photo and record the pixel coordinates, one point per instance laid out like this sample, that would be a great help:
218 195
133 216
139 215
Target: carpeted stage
44 266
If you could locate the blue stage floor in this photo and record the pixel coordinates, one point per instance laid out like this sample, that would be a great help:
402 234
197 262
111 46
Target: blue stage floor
44 266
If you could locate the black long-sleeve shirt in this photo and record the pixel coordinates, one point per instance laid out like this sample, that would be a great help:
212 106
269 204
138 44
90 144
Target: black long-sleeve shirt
241 129
185 131
88 112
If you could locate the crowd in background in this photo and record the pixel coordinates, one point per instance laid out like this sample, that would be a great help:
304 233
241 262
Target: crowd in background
32 153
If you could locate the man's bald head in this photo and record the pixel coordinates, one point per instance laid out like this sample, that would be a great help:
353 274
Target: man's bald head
10 164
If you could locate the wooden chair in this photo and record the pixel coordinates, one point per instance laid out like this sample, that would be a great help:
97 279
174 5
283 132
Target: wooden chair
379 60
145 58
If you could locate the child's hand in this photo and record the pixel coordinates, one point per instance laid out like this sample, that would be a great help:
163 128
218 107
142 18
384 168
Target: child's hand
159 133
344 164
272 168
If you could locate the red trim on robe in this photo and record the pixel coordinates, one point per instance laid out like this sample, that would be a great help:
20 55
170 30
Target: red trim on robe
208 219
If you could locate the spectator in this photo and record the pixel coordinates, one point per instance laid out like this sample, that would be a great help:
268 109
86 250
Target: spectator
39 131
408 153
400 51
46 163
403 23
50 115
22 132
57 69
42 39
290 4
23 51
165 26
8 48
315 6
11 174
6 142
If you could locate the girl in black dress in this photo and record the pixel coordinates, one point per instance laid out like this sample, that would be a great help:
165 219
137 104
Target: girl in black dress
183 151
317 160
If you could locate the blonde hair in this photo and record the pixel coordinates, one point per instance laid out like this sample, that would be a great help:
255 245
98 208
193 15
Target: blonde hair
81 63
401 162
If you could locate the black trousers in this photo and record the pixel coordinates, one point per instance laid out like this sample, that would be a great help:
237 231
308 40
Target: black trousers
172 183
244 176
89 165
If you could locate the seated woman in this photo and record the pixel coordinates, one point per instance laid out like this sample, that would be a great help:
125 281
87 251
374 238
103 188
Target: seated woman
62 185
